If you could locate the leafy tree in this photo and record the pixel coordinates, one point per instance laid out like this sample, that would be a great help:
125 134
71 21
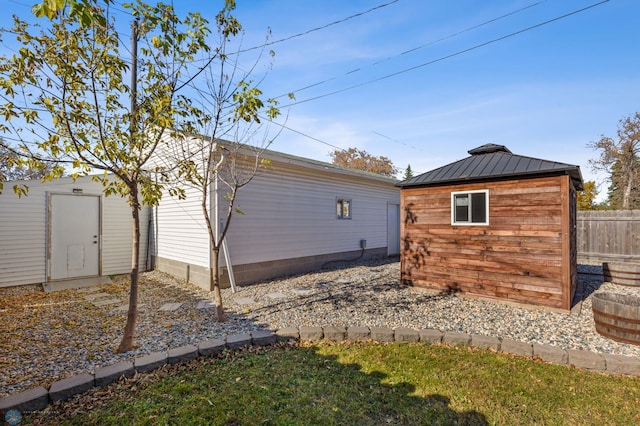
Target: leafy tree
354 158
620 158
587 197
231 106
12 167
66 87
80 10
408 173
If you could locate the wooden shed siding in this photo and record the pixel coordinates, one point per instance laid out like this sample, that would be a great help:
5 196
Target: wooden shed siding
23 231
290 212
522 255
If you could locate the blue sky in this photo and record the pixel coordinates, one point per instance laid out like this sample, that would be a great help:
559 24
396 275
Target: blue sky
546 92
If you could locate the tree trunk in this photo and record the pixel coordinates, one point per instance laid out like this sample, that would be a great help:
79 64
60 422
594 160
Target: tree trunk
214 275
626 193
132 316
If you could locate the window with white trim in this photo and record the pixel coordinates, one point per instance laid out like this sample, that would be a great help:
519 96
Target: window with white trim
470 208
343 208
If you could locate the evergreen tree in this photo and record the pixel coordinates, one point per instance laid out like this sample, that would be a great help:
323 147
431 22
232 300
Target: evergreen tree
621 159
408 173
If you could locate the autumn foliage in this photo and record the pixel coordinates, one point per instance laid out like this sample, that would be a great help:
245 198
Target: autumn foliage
354 158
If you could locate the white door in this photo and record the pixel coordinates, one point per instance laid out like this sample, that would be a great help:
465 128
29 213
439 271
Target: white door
74 249
393 229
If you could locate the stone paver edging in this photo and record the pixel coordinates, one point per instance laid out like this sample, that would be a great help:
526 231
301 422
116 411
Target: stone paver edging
38 398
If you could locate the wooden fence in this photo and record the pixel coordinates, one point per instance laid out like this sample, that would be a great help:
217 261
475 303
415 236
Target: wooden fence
605 236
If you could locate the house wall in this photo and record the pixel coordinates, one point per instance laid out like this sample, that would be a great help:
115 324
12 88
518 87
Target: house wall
181 233
288 225
24 232
523 255
290 212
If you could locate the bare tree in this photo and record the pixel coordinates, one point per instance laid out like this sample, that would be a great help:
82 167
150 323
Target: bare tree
621 159
226 154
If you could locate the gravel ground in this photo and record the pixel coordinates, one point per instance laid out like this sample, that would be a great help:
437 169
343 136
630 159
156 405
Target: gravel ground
47 337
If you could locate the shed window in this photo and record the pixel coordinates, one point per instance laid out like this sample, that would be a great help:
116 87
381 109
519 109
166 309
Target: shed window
343 208
470 208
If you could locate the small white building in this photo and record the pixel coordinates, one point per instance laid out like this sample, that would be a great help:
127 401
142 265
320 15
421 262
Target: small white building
65 231
298 215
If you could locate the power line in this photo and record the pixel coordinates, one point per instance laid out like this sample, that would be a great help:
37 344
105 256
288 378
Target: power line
442 58
339 21
414 49
304 134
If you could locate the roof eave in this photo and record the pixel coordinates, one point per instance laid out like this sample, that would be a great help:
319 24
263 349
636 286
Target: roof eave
573 172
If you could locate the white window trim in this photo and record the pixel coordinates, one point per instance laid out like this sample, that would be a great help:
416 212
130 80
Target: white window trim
453 208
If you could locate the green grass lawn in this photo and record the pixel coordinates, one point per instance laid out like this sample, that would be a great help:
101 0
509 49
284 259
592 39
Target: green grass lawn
359 384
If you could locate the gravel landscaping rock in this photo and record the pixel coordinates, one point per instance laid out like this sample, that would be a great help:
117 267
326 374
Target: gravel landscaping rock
47 337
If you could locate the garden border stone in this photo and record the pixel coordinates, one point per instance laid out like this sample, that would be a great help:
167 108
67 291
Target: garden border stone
404 334
515 347
263 337
619 364
37 398
382 334
110 373
182 354
586 360
287 333
150 362
431 336
211 347
311 333
71 386
551 354
238 340
358 333
455 338
338 334
485 342
33 399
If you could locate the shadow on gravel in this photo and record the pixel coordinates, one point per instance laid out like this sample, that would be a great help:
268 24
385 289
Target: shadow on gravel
590 278
348 294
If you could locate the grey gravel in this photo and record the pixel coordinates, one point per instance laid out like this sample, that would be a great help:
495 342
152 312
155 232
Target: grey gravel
365 296
371 295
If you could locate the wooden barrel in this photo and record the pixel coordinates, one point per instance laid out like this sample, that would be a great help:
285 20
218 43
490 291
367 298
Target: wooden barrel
617 316
623 273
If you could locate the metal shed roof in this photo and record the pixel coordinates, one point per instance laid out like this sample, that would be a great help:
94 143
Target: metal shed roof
493 161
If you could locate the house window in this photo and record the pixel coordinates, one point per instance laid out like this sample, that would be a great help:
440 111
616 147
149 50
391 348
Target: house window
343 208
470 208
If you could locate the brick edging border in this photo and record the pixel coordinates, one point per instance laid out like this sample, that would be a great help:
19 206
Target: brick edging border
38 398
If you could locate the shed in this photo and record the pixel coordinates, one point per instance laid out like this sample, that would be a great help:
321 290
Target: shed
64 233
493 225
298 214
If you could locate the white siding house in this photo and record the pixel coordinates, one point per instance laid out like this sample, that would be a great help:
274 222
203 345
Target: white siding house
64 231
290 223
